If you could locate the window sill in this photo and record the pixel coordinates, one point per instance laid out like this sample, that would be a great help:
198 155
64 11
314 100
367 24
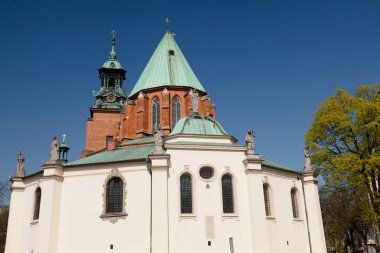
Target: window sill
187 216
271 218
297 220
34 222
113 217
230 216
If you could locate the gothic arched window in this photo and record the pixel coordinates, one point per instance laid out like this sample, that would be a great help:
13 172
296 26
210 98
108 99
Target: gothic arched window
227 194
114 195
295 208
186 194
176 110
155 113
37 204
267 200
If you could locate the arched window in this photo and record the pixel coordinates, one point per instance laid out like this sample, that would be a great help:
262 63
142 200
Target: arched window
176 110
295 209
155 113
227 194
267 196
37 204
114 195
186 194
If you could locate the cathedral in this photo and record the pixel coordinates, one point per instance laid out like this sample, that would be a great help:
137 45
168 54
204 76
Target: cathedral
159 174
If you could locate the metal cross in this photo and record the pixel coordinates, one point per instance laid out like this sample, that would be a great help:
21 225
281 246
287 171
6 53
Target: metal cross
167 21
113 33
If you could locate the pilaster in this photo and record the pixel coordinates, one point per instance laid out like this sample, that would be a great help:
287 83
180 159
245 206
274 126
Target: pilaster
260 239
50 206
313 208
15 219
142 113
160 222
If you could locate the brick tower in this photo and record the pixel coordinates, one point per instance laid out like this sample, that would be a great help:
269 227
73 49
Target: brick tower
161 96
104 122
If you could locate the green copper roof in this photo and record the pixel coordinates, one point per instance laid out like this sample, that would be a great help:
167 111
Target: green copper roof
112 63
139 141
278 166
198 124
116 155
167 67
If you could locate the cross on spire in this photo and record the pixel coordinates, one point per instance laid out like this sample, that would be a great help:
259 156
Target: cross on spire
113 32
167 21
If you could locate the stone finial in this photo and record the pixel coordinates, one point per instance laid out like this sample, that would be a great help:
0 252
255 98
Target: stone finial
194 100
308 164
54 149
20 171
158 140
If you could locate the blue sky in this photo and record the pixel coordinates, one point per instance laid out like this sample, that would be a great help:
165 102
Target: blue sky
266 64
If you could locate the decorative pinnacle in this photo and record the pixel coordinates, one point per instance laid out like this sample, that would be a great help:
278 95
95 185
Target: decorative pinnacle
63 138
112 54
167 21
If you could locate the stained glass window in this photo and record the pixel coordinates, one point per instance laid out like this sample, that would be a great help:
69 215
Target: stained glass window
176 110
37 204
267 200
114 195
186 194
227 194
295 208
155 113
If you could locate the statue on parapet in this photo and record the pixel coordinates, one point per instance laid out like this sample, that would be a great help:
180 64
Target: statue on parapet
250 142
158 140
308 164
20 171
54 149
194 100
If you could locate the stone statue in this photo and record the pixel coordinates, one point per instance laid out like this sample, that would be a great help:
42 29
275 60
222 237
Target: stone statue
20 171
54 149
194 100
250 142
308 164
158 140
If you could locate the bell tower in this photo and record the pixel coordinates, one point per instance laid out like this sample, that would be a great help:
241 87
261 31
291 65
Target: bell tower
104 123
112 75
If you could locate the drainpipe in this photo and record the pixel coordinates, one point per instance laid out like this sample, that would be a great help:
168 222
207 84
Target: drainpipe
307 217
151 192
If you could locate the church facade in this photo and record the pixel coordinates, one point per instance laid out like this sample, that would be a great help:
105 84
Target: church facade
160 174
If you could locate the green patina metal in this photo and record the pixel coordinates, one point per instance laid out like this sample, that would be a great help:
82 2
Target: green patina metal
279 166
116 155
167 67
198 124
144 140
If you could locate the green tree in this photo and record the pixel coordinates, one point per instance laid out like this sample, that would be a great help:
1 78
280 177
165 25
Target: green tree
4 212
344 139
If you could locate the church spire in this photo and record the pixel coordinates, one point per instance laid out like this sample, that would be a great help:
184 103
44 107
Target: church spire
112 54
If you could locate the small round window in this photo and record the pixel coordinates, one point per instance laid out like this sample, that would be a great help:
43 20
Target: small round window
206 172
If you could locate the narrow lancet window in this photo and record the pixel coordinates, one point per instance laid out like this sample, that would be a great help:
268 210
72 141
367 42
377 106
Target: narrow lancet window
114 195
37 204
295 208
267 196
176 110
227 194
186 194
155 113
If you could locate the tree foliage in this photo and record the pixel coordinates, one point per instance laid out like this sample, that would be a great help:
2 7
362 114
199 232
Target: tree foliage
344 139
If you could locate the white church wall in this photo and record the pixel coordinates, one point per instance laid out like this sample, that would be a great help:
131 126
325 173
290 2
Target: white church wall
190 233
286 234
82 229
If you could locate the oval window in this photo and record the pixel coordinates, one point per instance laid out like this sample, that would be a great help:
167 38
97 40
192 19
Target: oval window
206 172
